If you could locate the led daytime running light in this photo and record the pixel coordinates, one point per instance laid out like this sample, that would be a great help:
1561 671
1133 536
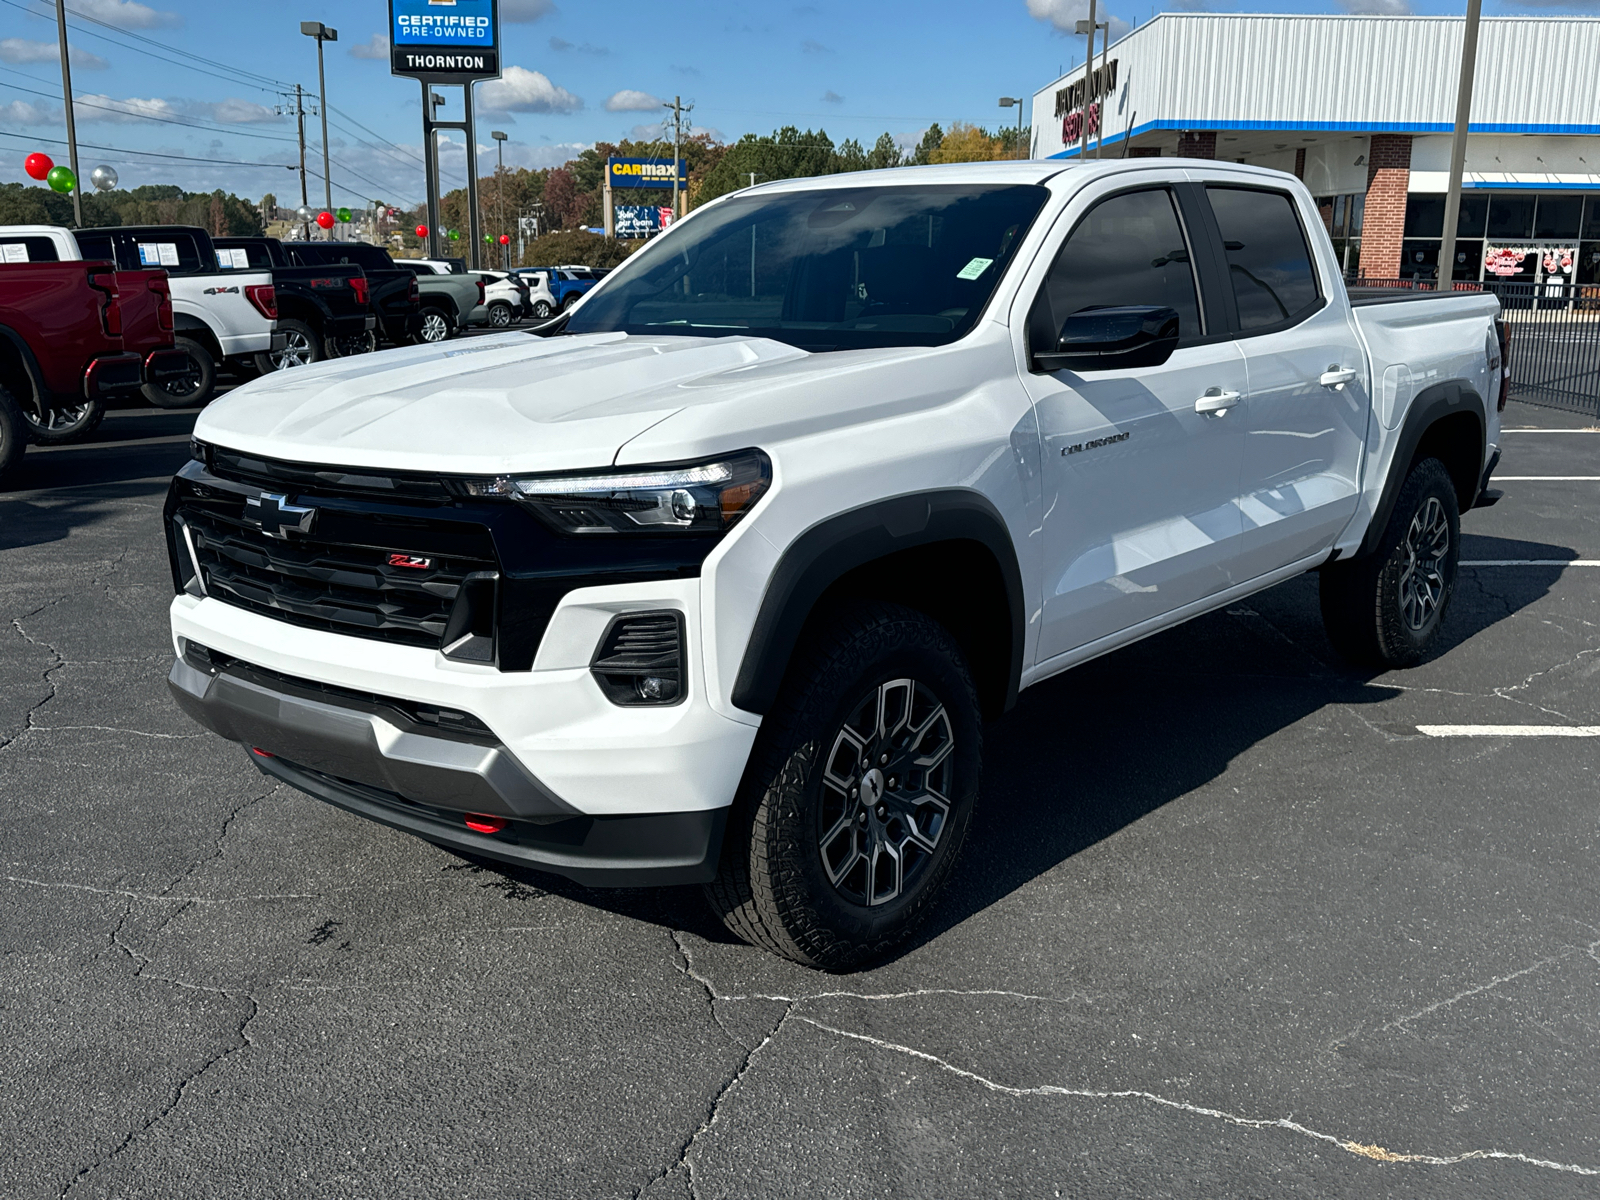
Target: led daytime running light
706 473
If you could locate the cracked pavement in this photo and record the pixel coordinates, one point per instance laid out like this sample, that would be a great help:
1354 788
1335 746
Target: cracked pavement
1226 924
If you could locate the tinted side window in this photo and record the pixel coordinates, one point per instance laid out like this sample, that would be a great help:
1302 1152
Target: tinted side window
1269 265
29 249
1129 249
98 245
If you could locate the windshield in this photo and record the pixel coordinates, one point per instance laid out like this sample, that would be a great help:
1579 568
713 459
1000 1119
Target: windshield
839 269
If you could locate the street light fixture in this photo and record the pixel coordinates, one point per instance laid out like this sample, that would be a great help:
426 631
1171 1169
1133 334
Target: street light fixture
500 191
316 29
1017 103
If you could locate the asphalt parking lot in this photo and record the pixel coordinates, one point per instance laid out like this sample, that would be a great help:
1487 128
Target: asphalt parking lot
1233 921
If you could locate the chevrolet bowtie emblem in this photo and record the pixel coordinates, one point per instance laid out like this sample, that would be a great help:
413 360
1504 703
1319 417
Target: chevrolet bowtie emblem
277 516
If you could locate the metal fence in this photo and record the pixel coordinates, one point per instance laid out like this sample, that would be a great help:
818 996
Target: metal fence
1555 338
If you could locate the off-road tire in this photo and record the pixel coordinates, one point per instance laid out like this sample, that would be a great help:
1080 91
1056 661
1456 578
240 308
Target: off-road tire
305 347
1385 609
59 428
203 376
773 887
13 434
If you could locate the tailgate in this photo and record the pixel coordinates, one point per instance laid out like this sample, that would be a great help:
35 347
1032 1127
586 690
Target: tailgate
222 303
141 295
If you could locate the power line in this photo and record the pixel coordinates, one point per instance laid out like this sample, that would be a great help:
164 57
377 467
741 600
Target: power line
226 162
374 133
213 127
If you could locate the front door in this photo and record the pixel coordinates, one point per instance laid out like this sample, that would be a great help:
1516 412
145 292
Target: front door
1306 419
1140 485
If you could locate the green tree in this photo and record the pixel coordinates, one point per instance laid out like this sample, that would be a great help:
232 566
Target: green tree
884 153
575 246
931 141
851 157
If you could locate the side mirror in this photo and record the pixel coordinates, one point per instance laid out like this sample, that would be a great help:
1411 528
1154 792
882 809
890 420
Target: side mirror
1109 339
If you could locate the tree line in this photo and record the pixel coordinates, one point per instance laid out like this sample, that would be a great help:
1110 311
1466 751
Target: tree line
218 213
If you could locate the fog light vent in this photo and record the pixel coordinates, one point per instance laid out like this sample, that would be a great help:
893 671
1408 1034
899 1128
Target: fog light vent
640 660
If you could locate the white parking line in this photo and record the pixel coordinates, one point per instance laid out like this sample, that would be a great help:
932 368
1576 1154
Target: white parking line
1532 430
1549 478
1530 562
1583 731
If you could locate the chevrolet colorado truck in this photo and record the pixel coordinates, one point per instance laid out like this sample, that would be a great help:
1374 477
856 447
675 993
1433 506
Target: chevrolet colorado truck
220 312
323 311
69 338
717 578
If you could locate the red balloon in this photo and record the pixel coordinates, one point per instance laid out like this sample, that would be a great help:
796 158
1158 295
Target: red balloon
505 239
422 231
37 165
325 220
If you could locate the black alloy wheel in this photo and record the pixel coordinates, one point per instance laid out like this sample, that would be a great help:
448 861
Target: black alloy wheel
193 386
55 426
353 344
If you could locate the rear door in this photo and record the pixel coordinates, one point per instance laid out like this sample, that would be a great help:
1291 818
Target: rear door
1305 416
1140 487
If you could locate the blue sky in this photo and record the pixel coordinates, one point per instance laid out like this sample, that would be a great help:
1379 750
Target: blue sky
192 80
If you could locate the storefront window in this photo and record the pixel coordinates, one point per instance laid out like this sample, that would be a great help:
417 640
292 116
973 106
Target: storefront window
1558 217
1424 215
1591 218
1510 216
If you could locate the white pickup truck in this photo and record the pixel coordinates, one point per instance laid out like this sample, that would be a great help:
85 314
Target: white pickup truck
717 578
221 307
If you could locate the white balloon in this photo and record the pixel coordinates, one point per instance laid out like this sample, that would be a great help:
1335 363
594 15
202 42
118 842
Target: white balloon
103 178
304 213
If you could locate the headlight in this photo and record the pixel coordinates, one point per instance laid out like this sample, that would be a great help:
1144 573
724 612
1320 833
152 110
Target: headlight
701 497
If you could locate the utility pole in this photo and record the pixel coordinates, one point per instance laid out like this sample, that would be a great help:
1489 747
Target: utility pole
299 112
1458 147
500 192
430 158
316 29
1088 70
678 109
72 126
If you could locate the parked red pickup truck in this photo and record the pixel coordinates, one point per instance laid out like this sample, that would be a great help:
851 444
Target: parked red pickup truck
72 334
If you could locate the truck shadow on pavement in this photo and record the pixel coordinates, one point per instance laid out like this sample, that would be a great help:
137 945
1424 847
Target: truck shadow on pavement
1087 754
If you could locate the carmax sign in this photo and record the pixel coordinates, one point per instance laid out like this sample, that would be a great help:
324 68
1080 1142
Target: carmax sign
644 172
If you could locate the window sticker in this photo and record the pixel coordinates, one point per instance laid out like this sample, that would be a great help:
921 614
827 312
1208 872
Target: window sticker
974 268
15 252
168 252
149 254
233 260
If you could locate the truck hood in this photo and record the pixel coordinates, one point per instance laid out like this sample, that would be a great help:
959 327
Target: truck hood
484 406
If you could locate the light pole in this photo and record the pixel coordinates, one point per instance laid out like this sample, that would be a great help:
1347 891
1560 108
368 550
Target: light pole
316 29
1089 27
1017 102
1458 149
500 191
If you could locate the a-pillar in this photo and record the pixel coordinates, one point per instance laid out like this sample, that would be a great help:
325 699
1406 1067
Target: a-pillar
1197 145
1383 222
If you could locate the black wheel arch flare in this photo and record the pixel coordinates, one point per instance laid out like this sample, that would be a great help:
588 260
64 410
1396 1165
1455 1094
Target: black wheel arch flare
1442 401
833 548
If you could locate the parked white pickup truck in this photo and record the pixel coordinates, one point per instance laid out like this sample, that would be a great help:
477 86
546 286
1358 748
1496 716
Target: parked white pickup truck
222 308
717 578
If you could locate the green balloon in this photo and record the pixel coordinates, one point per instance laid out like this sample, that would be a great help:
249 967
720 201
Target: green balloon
455 235
344 214
489 237
61 179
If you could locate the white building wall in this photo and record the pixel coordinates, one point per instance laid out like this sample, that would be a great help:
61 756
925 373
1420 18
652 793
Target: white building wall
1204 71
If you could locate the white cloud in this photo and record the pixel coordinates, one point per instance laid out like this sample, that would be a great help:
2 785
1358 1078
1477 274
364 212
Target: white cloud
522 90
375 47
134 110
1064 16
127 13
1379 8
19 113
231 111
629 100
20 51
523 11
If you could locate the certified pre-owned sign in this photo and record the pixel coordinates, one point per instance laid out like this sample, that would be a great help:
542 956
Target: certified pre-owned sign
444 41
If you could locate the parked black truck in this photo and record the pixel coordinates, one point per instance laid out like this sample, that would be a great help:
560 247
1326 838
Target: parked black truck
392 293
324 311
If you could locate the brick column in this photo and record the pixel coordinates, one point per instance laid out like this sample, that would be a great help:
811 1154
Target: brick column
1388 176
1299 164
1197 145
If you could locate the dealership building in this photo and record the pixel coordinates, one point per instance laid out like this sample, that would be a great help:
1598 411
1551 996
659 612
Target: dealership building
1362 109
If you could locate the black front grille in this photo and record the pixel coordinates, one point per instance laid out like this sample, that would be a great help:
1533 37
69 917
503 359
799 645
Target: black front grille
326 585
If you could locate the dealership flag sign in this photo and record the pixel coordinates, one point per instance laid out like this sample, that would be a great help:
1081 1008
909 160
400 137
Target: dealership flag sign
444 41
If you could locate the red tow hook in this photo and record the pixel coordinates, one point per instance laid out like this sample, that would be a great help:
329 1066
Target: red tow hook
483 823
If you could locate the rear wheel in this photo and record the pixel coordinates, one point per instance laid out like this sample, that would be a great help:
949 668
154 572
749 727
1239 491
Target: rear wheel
301 347
542 310
194 386
357 343
52 427
12 435
571 300
1386 609
434 327
858 794
499 314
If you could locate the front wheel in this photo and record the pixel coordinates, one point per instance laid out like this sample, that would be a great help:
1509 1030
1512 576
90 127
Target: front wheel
55 426
12 434
194 386
1385 609
434 327
858 793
